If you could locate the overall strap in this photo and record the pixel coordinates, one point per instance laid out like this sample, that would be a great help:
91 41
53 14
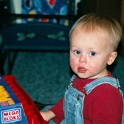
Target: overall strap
71 81
72 78
103 80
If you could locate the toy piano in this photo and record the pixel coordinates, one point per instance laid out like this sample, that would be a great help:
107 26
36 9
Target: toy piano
16 107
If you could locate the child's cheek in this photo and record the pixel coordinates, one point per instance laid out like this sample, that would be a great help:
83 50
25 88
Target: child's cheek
72 63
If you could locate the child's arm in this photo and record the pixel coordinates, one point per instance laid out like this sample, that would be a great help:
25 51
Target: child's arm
47 115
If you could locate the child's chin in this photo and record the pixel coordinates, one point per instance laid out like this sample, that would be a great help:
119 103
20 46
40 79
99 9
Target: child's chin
82 76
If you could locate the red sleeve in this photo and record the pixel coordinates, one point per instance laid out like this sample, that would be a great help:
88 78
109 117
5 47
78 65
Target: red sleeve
103 105
58 111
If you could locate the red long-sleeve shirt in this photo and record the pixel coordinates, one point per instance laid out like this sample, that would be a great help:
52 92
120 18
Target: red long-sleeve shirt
104 105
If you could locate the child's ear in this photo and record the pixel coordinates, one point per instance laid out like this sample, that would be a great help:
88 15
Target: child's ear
112 58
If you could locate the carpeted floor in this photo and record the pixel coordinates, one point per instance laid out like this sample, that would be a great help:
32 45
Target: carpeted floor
45 75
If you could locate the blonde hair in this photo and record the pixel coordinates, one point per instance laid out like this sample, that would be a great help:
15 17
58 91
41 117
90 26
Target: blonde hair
102 24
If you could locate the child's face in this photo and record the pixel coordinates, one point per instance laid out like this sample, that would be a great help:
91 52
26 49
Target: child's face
90 53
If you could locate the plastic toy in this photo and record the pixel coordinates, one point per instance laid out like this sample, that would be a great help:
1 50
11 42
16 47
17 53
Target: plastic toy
16 106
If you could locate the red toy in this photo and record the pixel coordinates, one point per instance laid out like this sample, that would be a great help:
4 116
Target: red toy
15 104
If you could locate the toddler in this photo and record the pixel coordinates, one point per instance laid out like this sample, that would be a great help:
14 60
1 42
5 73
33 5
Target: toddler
93 96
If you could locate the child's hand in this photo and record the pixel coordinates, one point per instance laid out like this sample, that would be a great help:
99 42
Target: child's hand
47 115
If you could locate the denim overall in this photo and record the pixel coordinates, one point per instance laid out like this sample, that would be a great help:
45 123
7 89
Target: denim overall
74 99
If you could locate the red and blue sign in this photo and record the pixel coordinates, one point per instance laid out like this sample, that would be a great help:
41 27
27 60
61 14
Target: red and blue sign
11 115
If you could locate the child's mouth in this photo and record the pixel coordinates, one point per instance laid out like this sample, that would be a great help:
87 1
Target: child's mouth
82 70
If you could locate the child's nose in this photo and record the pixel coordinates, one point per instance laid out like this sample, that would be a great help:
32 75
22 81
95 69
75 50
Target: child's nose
82 59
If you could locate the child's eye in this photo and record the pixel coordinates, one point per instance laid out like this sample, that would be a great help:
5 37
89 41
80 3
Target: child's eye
92 53
77 52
